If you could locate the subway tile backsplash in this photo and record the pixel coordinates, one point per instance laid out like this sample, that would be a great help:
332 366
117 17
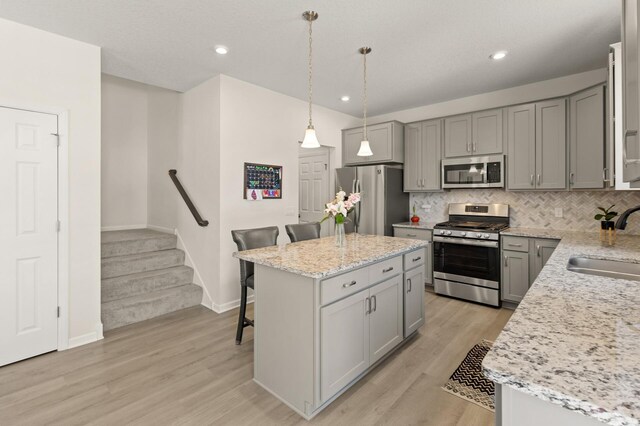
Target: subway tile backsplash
532 209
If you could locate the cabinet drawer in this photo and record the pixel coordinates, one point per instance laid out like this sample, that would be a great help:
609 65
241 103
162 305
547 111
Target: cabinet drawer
343 285
385 269
416 234
515 243
414 258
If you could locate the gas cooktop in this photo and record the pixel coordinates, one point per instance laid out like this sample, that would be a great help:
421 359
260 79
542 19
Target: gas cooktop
472 226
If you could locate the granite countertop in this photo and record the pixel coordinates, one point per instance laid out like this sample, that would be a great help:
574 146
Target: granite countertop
419 225
575 338
553 234
321 257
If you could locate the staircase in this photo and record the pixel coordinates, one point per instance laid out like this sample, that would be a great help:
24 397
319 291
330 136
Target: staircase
143 276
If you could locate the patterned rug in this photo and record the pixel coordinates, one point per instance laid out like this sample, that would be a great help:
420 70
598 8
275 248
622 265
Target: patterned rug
469 383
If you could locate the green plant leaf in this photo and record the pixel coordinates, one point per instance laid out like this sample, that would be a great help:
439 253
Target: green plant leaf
598 217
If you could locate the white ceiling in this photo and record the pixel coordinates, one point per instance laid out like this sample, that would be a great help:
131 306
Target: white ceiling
424 51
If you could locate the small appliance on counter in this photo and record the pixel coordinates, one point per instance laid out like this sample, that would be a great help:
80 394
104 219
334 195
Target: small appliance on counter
467 252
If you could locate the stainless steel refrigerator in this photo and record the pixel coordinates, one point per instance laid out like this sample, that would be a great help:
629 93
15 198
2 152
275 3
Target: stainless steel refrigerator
382 200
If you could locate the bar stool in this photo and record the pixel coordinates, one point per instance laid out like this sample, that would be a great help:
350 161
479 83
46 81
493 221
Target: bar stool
303 231
247 239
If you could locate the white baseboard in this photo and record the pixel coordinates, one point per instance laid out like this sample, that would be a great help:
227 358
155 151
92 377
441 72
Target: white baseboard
87 338
197 278
123 227
224 307
162 229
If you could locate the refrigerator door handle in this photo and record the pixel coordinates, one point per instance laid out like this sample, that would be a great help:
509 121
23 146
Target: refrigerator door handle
357 218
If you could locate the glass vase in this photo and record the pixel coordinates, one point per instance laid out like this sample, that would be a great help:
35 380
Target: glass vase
340 235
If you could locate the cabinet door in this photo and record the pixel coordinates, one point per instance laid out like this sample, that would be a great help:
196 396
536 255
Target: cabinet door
413 300
344 344
412 163
487 132
515 275
430 155
381 142
551 144
521 156
587 139
630 91
457 136
385 319
428 265
350 145
540 253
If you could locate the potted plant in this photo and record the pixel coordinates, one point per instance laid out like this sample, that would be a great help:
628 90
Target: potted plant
606 217
415 218
338 209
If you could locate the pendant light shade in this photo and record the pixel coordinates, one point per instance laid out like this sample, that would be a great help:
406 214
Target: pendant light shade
310 139
365 148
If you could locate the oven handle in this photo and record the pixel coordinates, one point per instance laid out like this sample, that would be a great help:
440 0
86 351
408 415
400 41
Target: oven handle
465 242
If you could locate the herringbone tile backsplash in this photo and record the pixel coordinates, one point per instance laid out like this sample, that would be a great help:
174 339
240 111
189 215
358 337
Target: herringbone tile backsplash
532 209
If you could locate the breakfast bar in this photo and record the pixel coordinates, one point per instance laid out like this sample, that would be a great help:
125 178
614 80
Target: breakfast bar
326 315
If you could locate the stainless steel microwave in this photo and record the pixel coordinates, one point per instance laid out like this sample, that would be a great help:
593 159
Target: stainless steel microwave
473 172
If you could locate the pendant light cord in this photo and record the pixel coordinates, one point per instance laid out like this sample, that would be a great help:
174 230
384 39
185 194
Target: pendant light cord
364 100
310 70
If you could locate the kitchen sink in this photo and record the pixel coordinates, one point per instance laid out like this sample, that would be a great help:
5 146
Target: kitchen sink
605 268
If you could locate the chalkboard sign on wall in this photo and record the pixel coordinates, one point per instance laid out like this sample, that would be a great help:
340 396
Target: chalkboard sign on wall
262 181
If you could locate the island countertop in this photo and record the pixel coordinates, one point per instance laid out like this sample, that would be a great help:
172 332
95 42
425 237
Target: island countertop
320 258
575 338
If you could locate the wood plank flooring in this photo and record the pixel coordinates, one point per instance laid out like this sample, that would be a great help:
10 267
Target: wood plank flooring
185 369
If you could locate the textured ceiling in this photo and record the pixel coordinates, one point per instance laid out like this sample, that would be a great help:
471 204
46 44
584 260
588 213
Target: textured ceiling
424 51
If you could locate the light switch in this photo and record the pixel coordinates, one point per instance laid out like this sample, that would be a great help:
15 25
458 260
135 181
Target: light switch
558 212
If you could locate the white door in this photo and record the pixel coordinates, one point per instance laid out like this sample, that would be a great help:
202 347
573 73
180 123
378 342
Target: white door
314 186
28 234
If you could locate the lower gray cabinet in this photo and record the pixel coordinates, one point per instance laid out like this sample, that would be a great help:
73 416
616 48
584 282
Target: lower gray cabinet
385 317
515 275
419 234
413 300
345 342
540 252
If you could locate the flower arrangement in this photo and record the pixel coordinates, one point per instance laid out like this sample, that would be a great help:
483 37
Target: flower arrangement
339 207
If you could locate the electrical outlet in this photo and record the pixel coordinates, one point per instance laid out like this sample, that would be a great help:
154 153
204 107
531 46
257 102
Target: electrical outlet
558 212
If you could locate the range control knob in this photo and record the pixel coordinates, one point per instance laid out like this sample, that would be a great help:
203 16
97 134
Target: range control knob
442 232
448 232
485 236
463 234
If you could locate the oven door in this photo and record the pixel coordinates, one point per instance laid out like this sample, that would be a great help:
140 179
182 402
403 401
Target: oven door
467 261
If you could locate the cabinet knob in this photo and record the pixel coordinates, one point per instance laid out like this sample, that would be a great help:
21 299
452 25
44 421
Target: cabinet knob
389 269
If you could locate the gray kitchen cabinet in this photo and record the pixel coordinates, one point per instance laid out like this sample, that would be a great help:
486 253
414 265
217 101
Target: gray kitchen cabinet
515 275
385 317
537 145
422 156
413 300
540 251
521 141
457 136
420 234
630 91
386 141
551 144
345 343
587 139
486 134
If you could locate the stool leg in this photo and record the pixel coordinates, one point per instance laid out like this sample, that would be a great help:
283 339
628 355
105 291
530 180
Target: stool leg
243 310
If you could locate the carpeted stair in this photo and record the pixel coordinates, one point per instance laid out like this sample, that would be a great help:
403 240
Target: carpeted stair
143 276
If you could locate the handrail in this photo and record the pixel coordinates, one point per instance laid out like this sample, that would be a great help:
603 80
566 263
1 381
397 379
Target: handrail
173 174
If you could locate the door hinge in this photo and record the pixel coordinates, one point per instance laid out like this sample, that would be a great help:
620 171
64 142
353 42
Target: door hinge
58 226
58 311
57 138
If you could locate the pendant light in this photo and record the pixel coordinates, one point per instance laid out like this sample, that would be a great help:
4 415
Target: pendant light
365 148
310 139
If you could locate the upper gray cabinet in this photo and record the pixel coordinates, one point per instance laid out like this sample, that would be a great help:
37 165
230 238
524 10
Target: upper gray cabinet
537 145
385 139
479 133
587 139
630 93
422 142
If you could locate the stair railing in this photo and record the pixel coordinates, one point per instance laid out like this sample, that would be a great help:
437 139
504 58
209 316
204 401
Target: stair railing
173 174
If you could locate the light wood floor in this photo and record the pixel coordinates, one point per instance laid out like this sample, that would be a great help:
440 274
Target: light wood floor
184 368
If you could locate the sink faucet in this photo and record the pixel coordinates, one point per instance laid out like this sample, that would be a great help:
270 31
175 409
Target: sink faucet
622 220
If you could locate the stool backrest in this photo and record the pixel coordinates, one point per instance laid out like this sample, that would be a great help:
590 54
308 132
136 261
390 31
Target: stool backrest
247 239
303 231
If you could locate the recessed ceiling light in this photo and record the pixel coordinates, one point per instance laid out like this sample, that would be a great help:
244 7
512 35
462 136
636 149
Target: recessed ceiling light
221 50
345 98
498 55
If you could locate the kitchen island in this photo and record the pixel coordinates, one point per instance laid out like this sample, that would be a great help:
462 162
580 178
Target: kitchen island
326 315
570 354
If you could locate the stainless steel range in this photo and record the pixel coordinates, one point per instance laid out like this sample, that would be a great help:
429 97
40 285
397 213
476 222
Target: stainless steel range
467 252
